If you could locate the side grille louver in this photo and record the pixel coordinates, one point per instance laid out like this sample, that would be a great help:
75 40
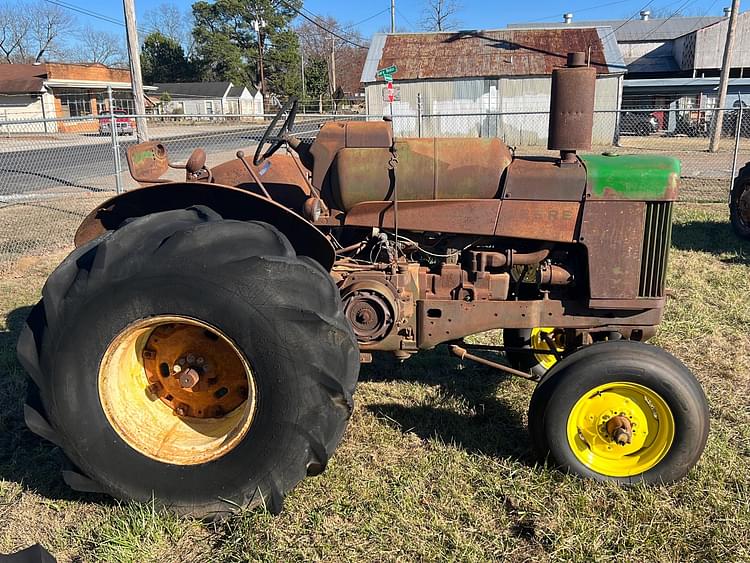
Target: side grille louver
657 237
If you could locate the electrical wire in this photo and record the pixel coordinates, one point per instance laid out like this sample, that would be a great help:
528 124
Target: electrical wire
91 14
313 20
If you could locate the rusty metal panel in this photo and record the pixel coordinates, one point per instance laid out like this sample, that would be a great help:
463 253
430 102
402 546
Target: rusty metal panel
541 220
543 178
425 169
464 216
612 232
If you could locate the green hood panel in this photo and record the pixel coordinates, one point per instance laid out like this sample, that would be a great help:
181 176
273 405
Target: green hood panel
632 177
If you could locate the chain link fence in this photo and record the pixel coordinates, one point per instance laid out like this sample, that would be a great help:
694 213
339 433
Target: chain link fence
53 172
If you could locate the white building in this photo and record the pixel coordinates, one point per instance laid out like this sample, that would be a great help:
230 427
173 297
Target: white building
209 98
491 75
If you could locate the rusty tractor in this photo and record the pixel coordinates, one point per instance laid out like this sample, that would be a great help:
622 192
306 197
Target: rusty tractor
202 343
739 203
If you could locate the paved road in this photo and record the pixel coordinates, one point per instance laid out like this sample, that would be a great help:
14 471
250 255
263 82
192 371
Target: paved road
90 166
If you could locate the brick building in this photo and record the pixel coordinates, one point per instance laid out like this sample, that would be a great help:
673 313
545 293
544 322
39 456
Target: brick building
57 90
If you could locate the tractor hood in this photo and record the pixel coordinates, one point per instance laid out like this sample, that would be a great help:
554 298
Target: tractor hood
632 177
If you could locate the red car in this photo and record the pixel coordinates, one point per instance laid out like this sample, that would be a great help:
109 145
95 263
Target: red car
125 125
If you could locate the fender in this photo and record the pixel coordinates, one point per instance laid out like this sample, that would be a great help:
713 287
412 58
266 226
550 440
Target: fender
231 203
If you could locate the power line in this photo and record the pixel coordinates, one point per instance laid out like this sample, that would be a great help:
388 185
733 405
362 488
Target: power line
372 17
588 9
405 18
90 13
314 21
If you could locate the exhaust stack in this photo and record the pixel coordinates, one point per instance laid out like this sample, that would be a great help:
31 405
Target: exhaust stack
571 118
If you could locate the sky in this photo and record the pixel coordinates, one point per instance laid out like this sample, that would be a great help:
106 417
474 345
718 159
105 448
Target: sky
473 14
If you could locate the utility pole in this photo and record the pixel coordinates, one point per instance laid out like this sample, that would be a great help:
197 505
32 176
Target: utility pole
258 25
333 65
726 67
136 80
302 59
393 16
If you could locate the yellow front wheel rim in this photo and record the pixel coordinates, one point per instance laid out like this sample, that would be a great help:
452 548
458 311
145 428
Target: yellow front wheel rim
538 342
653 429
177 390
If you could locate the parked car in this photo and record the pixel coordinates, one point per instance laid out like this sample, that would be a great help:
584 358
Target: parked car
739 203
125 125
638 123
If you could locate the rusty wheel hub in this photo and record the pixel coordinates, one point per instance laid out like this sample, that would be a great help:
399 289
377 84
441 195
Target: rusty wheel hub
369 313
195 373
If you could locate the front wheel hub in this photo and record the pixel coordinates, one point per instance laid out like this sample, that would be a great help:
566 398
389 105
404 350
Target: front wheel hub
620 429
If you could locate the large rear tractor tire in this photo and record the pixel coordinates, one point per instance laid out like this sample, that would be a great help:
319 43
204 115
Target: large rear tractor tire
739 204
190 359
620 411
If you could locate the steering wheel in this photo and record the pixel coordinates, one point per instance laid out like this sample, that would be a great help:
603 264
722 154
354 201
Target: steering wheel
277 140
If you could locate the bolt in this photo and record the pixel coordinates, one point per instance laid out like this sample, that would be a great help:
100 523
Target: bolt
199 361
154 388
190 358
180 411
181 361
177 368
189 378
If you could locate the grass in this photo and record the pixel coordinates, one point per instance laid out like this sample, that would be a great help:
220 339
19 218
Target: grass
436 463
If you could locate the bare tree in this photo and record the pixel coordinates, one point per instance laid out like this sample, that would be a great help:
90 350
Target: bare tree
14 27
343 60
168 19
31 31
440 15
96 46
48 25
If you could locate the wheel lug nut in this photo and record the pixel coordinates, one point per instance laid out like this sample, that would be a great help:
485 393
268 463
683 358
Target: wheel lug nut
189 378
190 358
199 361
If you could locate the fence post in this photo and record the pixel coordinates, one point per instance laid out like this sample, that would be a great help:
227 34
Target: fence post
737 138
115 144
419 114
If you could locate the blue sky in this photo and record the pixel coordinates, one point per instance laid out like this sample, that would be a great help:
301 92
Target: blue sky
474 14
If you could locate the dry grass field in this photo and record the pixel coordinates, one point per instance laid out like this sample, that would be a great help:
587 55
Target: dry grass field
435 464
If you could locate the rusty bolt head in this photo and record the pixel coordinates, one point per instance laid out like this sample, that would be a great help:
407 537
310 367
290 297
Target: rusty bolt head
180 411
190 358
620 430
155 388
189 378
199 360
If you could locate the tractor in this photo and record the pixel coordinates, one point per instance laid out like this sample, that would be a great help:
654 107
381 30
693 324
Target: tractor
202 343
739 203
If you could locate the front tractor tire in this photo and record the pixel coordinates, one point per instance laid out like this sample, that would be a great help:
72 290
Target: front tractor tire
534 363
190 359
620 411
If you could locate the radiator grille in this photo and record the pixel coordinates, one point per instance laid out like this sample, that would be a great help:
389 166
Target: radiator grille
657 237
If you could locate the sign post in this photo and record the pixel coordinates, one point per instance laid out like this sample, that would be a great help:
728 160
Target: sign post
390 94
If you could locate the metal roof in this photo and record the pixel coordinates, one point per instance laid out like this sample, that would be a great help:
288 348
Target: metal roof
652 29
491 53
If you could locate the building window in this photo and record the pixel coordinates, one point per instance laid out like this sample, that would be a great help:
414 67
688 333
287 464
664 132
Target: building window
209 108
75 105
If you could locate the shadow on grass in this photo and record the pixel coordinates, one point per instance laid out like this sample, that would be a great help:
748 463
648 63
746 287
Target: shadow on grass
716 237
488 425
25 458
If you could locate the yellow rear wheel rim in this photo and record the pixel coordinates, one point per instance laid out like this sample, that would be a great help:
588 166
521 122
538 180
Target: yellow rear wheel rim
538 342
157 416
652 425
